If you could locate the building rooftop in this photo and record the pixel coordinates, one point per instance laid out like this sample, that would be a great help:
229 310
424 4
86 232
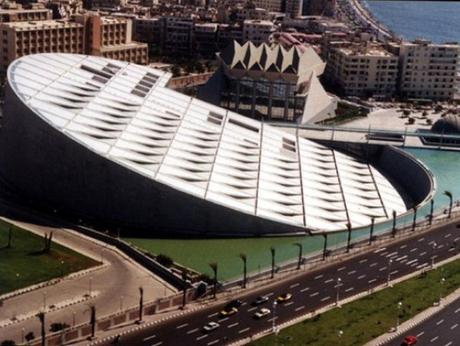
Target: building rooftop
126 114
366 51
31 25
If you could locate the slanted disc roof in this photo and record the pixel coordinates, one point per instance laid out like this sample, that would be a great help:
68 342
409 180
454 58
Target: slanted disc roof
125 112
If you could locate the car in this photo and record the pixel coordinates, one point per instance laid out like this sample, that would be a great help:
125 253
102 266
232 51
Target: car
260 300
234 304
228 311
211 326
262 313
409 340
283 297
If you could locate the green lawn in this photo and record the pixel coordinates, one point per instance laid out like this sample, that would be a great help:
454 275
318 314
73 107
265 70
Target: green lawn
25 263
367 318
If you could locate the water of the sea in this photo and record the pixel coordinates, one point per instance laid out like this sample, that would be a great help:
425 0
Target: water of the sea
438 21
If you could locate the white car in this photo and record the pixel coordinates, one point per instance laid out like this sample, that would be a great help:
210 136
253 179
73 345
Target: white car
262 313
211 326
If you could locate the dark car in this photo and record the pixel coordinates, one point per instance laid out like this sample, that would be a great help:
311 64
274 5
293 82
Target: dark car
409 340
260 300
233 304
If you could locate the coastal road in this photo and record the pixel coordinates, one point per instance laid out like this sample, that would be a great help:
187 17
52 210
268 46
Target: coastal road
311 291
441 329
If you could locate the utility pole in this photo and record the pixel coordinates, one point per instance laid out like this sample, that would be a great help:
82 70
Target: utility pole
41 317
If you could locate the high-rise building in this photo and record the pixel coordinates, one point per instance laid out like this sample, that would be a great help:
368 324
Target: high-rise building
293 8
427 70
258 31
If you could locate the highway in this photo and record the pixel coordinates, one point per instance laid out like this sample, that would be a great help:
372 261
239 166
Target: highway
443 328
311 291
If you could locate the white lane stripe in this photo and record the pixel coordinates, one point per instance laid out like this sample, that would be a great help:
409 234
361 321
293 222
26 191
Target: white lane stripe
158 343
328 280
318 277
269 294
380 250
223 319
361 277
182 326
448 344
373 264
447 235
233 325
363 261
421 239
314 294
434 339
212 315
252 309
422 254
294 285
439 322
202 337
290 303
351 272
213 342
454 326
420 334
401 258
304 289
325 298
299 308
341 268
392 254
414 249
349 289
457 310
149 337
191 331
371 281
382 269
403 246
243 330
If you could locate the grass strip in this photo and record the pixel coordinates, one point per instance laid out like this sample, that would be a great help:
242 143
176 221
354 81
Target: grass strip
367 318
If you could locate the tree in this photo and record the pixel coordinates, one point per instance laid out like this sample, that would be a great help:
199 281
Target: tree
451 201
393 232
175 70
8 343
244 259
349 236
273 253
165 260
213 266
29 336
299 261
10 230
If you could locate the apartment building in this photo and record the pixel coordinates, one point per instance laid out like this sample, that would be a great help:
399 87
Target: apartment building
23 38
19 14
293 8
205 39
178 34
362 69
270 5
111 37
427 70
258 31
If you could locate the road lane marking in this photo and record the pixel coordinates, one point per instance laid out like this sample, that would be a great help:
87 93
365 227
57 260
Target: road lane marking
150 337
212 315
304 289
400 258
233 325
223 319
213 342
434 339
420 334
182 326
328 280
413 261
454 326
380 250
394 272
422 265
341 268
382 269
414 249
421 239
361 276
349 289
363 261
325 298
457 310
448 344
294 285
243 330
394 253
318 277
373 264
314 294
422 254
299 308
269 294
290 303
371 281
447 235
403 246
439 322
273 318
191 331
252 309
158 343
351 272
202 337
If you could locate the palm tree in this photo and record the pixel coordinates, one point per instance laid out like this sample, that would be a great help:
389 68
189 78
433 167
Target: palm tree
393 232
299 262
141 303
184 288
213 266
414 220
349 236
325 246
371 233
244 259
430 219
449 195
273 252
41 317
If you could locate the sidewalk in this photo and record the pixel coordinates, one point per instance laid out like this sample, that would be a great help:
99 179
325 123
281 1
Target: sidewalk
117 284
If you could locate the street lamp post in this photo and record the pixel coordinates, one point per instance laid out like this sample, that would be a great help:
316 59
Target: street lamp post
90 286
274 317
430 219
390 261
299 261
397 317
371 233
432 254
325 246
440 289
414 220
337 298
